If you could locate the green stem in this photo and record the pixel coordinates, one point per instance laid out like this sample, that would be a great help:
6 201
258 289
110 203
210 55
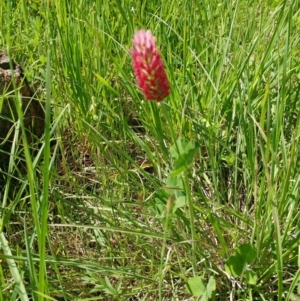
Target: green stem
192 220
163 249
159 130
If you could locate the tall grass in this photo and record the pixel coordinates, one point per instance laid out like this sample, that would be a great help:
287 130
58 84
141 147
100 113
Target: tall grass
103 213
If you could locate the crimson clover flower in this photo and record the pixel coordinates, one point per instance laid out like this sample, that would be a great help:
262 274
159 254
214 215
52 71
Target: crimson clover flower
148 66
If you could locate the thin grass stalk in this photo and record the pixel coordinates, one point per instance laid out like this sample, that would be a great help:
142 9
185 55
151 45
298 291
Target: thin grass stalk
192 220
278 252
13 268
163 249
46 174
31 268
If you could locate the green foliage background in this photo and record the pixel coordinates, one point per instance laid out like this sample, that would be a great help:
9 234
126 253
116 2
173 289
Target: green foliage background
90 219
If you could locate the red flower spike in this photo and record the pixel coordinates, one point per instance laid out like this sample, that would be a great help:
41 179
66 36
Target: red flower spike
148 66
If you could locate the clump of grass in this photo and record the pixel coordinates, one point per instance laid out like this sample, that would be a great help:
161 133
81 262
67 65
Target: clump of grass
91 218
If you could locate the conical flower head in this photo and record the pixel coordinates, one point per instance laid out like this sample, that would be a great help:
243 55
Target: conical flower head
148 66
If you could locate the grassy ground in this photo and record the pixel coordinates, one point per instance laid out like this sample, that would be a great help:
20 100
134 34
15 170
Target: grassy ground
196 198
